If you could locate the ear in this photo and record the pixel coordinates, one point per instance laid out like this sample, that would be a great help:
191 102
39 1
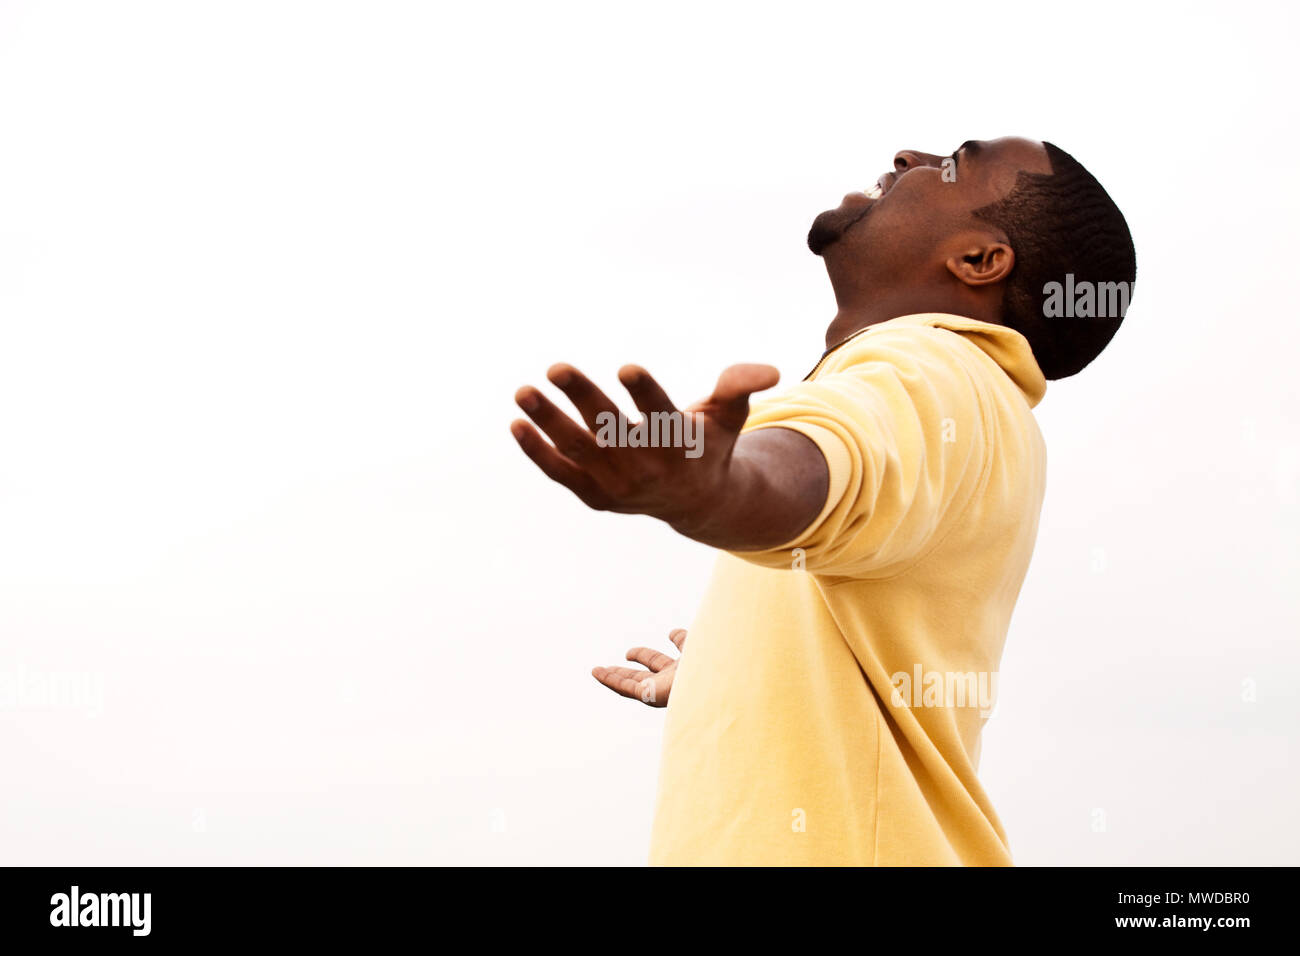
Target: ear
983 264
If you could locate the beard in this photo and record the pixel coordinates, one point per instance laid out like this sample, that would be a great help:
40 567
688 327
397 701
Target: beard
829 226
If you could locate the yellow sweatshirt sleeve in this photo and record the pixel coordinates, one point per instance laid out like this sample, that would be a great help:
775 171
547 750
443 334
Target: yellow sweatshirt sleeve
897 415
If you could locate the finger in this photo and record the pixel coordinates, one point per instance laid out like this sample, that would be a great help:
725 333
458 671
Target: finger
589 400
623 681
621 673
649 657
555 466
570 439
678 637
645 391
730 399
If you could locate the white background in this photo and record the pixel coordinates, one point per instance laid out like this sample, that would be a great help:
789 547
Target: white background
270 275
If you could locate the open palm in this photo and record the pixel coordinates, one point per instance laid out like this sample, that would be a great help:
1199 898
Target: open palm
651 686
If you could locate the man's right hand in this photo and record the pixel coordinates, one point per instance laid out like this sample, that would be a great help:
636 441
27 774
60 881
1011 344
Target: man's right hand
652 686
741 493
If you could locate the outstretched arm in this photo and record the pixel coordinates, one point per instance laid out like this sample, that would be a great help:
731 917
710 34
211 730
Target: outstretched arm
742 492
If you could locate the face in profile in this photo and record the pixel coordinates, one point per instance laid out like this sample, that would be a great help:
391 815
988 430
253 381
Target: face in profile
893 229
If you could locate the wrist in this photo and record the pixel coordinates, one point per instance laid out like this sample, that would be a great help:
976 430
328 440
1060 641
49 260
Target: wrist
707 512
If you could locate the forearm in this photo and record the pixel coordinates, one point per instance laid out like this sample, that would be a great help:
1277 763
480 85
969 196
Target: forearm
776 484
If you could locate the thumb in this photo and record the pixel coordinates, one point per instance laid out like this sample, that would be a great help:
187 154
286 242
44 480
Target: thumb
729 402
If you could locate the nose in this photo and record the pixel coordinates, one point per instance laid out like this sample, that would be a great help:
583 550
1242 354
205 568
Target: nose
906 159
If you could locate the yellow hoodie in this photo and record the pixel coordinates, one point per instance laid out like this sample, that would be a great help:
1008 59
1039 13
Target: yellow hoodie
828 706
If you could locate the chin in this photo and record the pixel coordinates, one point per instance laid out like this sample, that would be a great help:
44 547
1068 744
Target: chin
825 232
829 227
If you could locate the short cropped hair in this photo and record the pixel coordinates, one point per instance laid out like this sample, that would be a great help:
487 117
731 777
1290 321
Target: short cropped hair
1075 265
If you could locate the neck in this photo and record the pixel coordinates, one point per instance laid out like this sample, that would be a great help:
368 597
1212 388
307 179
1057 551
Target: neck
859 311
853 318
849 322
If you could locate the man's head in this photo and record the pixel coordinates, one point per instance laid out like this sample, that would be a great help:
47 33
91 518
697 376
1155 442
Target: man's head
1007 230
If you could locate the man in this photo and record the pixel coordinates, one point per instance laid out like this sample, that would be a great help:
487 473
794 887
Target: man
875 521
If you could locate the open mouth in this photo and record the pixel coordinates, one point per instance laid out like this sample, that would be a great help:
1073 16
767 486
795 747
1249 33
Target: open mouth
882 186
